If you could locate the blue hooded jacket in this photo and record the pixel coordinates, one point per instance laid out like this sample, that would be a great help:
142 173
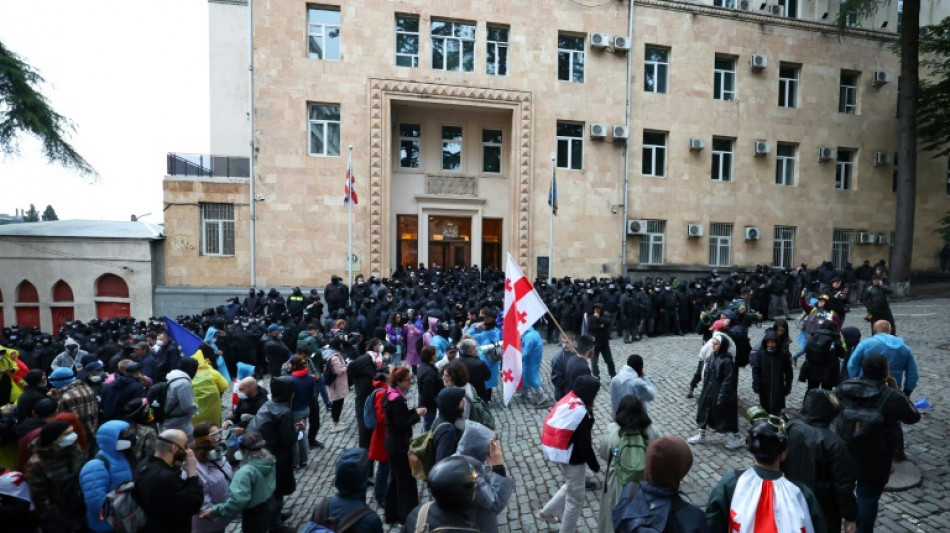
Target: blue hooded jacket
97 480
900 359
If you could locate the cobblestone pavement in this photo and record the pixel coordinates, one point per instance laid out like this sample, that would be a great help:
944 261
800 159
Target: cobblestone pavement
670 362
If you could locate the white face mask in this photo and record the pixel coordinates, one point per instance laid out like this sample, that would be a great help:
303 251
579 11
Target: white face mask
68 440
95 378
122 445
239 455
159 344
242 396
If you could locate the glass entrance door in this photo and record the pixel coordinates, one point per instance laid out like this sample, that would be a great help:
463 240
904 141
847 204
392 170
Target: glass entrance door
450 241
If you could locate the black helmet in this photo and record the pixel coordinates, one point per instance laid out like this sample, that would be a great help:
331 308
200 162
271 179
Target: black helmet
820 406
452 482
767 439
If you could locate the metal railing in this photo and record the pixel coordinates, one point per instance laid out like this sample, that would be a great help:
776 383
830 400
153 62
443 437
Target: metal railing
208 166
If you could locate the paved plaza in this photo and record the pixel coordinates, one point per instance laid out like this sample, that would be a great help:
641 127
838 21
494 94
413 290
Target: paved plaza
670 362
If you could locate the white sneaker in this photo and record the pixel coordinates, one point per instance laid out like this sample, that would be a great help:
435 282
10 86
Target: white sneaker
698 438
735 442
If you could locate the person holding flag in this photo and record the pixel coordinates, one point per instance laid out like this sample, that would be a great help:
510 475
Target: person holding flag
523 307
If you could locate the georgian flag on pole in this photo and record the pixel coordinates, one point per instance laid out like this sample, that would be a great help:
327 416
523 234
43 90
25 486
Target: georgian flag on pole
523 307
349 188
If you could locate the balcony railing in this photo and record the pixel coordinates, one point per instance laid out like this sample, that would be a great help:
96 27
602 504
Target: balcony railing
208 166
451 185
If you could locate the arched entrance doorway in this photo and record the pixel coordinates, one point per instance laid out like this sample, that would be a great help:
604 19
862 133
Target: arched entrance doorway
27 305
62 309
112 297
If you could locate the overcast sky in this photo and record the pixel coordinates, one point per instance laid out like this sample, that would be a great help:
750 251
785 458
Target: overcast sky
132 75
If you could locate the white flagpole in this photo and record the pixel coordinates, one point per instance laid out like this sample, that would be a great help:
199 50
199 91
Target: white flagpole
349 203
551 223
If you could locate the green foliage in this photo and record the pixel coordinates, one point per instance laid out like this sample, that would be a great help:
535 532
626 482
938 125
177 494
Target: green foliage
32 215
933 98
49 214
859 10
24 109
943 228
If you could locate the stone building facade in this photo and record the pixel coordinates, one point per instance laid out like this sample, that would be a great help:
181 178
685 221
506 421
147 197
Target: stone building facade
456 113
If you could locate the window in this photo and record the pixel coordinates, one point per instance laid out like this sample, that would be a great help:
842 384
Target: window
570 145
656 66
323 33
844 169
491 151
409 136
720 244
788 85
496 63
789 8
324 129
654 154
453 46
725 3
948 172
848 93
570 58
407 41
783 247
841 246
724 80
785 164
451 148
653 243
217 229
722 153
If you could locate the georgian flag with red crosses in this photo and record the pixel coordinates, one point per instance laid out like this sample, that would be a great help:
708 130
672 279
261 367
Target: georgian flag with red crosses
523 307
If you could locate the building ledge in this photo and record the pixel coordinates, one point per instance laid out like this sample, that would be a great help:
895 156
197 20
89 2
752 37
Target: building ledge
454 199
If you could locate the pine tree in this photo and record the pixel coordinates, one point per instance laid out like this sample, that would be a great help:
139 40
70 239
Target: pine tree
49 214
25 109
32 215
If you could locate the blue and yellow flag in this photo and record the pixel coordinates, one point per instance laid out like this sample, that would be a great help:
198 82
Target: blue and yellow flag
188 343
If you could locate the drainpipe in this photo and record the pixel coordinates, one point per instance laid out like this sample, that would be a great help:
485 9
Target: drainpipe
250 93
626 152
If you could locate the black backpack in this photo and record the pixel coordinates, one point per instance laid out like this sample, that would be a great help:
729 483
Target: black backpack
819 349
158 400
862 426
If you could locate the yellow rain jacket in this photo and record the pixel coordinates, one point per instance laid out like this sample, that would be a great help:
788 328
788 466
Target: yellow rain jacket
207 387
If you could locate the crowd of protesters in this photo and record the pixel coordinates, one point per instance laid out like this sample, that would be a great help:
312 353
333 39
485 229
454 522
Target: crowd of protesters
101 403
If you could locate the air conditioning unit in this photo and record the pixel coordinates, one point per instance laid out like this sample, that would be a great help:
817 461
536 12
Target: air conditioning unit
826 153
696 144
753 233
744 5
865 237
880 78
598 131
761 148
620 133
880 159
599 40
758 62
776 9
621 43
694 230
636 227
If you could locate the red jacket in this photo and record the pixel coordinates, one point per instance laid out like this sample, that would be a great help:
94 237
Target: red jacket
377 451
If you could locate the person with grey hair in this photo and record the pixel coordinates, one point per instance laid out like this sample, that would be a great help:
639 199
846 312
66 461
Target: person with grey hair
168 498
478 371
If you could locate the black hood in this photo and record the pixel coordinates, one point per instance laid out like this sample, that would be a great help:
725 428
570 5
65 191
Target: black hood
448 403
820 406
770 335
282 389
586 388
